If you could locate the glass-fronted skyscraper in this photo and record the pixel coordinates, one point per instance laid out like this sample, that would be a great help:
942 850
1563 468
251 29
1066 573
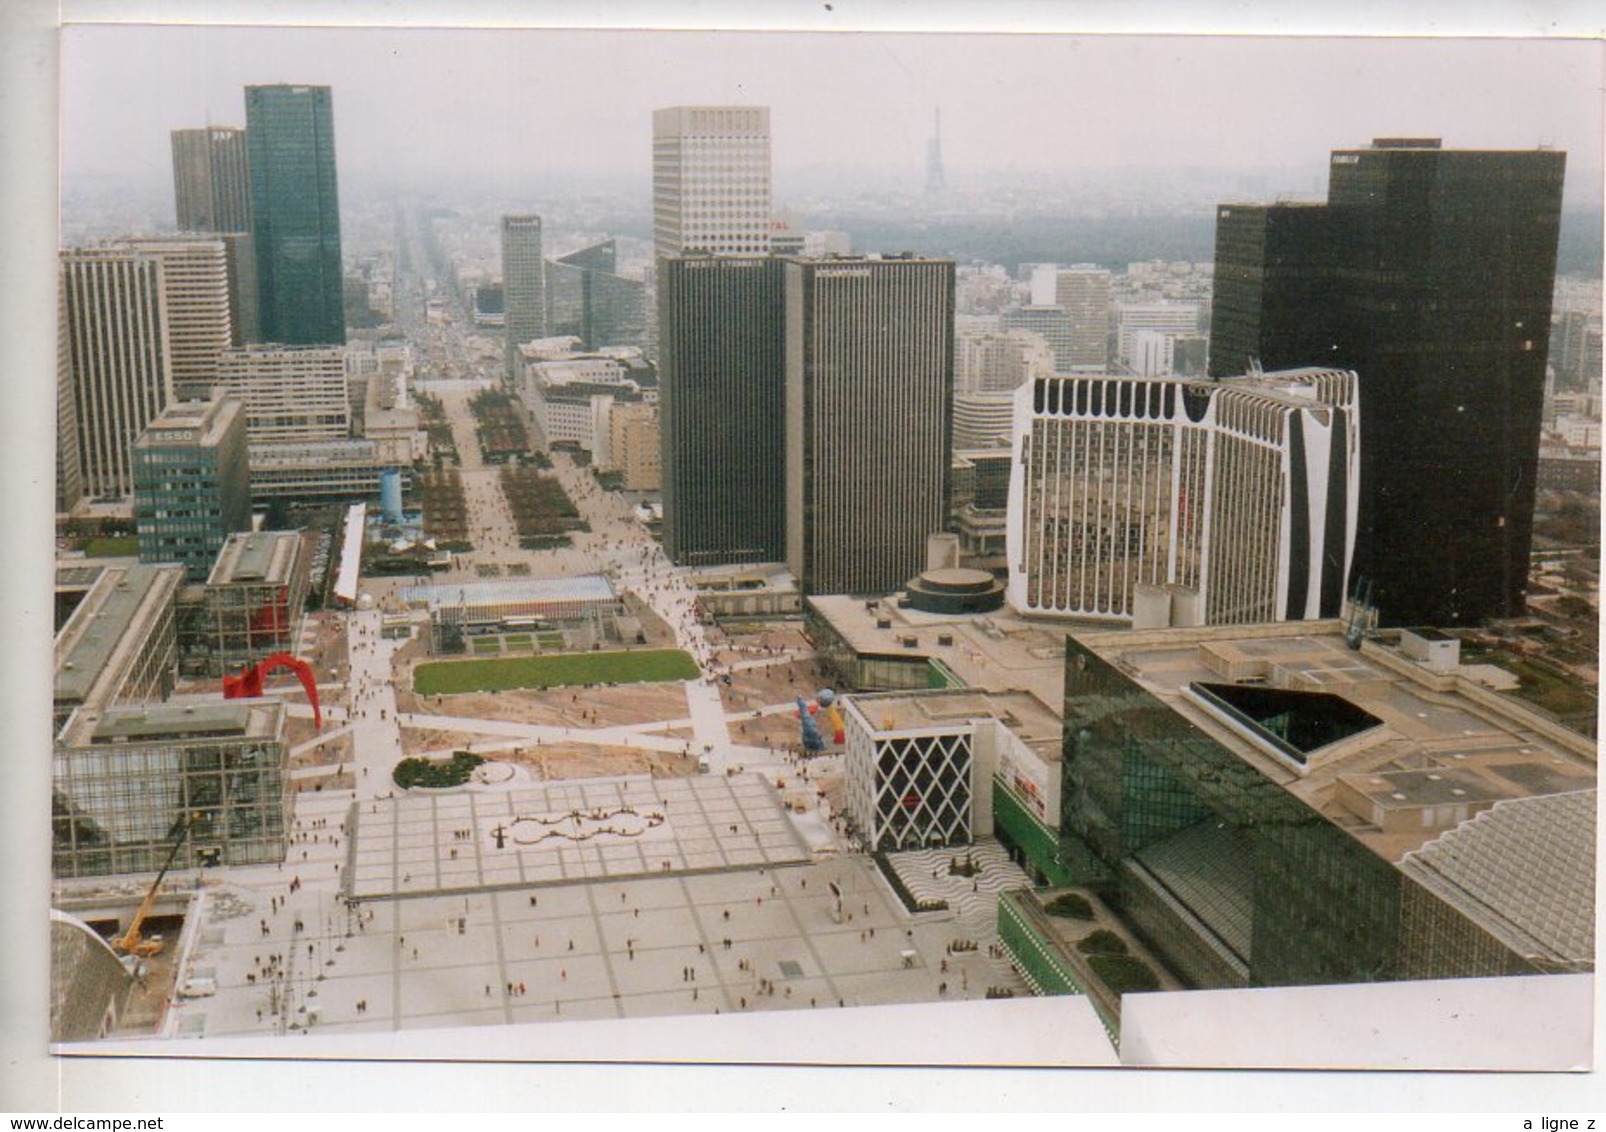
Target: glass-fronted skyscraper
1429 273
807 414
722 407
1188 834
587 298
295 214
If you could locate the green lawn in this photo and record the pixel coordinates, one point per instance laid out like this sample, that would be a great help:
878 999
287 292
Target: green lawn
1559 696
485 646
447 677
114 547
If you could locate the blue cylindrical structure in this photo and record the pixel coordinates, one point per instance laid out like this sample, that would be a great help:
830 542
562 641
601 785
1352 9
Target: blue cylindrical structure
390 494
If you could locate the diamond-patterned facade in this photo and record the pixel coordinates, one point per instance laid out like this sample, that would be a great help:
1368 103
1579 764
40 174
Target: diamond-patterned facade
911 791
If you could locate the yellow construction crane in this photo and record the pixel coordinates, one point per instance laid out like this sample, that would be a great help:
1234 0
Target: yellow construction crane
130 943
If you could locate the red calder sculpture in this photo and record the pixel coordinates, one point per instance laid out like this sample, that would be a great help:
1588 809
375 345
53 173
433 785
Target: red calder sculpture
249 683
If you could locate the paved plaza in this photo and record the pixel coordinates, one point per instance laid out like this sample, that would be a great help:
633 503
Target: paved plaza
721 942
561 832
518 900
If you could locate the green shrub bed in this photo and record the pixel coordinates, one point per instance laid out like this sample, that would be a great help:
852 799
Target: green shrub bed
1123 974
454 771
1071 905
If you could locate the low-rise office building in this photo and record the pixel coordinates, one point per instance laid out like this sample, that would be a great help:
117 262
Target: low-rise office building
119 644
979 507
291 393
253 605
130 782
586 604
942 768
192 483
1267 806
316 471
634 444
569 398
737 593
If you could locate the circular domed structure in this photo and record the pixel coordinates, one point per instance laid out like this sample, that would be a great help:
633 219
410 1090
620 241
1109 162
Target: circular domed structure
955 589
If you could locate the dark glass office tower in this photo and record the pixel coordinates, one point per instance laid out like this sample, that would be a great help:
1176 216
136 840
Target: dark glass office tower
722 399
869 419
1273 295
1428 272
587 298
295 214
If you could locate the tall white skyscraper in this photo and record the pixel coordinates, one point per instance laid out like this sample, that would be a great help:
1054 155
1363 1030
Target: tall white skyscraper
195 277
115 309
523 286
711 180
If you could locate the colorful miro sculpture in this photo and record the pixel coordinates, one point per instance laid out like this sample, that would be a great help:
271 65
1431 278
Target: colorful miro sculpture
813 740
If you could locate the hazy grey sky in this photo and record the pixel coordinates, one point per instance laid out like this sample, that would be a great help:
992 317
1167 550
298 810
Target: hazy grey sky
523 101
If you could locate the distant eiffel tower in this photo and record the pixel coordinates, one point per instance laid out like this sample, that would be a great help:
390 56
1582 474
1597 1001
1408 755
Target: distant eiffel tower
936 182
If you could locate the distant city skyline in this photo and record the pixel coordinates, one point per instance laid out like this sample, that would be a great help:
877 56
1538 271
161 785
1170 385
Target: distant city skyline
542 105
1266 837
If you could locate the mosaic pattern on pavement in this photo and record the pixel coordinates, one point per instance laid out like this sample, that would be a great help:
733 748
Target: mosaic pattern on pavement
470 840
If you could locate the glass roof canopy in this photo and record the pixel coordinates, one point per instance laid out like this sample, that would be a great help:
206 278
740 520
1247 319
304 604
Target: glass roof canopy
1298 724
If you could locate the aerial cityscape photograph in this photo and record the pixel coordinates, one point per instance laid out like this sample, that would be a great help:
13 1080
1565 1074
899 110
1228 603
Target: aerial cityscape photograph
860 548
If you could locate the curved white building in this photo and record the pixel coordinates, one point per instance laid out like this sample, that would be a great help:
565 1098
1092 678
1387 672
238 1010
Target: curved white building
983 420
1160 501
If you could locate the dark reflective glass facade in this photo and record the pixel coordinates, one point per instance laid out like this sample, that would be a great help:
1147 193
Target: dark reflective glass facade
1429 272
588 299
723 408
116 807
1233 880
295 214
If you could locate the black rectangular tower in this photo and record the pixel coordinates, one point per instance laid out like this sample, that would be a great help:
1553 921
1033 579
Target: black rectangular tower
1429 272
722 378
